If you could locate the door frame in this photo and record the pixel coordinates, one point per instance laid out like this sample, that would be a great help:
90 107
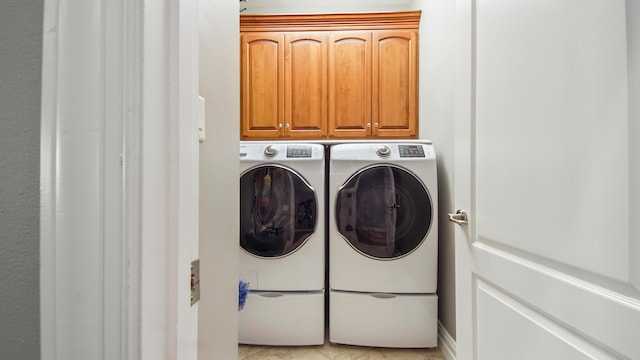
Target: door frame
119 179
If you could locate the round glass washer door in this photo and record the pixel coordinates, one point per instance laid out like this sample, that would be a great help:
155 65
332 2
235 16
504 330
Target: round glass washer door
278 211
383 212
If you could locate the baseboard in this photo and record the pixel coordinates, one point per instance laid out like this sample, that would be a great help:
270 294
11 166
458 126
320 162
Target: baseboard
446 343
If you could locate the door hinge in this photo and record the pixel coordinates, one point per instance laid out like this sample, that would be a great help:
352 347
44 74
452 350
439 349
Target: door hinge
195 281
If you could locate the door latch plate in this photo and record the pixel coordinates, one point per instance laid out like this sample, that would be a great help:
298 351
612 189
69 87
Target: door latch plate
195 281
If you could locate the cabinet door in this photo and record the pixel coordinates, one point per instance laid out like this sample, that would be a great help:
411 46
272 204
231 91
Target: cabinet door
262 77
305 85
395 83
350 84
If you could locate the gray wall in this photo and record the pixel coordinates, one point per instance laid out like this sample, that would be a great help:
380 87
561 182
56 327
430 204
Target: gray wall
20 76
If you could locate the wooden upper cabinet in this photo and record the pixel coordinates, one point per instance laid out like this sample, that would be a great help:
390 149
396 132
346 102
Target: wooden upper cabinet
395 83
350 84
262 90
305 85
333 76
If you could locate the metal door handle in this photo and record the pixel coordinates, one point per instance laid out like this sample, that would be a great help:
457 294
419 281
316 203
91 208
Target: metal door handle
460 218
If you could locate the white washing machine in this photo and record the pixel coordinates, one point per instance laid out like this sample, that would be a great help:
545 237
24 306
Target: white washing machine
282 243
383 244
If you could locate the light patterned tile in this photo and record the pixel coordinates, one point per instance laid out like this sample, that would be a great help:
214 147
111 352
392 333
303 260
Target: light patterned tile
342 352
288 353
334 352
401 354
248 350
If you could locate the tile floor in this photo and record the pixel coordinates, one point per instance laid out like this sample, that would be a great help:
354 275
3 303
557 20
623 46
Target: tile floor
334 352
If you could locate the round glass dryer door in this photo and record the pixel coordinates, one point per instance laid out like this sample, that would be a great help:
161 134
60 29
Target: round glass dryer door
278 211
384 212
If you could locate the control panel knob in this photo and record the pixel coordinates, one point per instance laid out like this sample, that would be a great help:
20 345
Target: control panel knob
383 151
270 151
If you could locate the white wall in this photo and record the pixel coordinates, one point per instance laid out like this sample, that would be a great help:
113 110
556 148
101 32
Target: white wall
437 40
20 85
325 6
219 188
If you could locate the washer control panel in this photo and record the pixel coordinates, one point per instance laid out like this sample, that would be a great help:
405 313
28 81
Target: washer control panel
280 151
411 151
298 151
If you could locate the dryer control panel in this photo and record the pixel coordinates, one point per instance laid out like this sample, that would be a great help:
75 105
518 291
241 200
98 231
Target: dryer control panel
379 151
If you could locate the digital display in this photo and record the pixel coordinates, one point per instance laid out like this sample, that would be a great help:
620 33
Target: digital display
299 151
409 151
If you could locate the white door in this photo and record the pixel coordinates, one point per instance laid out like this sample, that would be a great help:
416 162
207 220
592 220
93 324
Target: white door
548 169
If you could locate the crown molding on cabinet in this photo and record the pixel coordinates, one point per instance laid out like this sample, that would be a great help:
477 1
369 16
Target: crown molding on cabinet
345 21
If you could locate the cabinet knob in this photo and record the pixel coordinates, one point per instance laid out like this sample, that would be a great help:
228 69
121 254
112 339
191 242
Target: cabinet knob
286 125
368 125
375 124
280 126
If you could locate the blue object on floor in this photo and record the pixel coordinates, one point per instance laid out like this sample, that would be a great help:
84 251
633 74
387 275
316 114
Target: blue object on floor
243 291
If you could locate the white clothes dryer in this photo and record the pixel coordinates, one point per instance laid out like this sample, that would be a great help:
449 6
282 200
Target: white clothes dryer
282 243
383 244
